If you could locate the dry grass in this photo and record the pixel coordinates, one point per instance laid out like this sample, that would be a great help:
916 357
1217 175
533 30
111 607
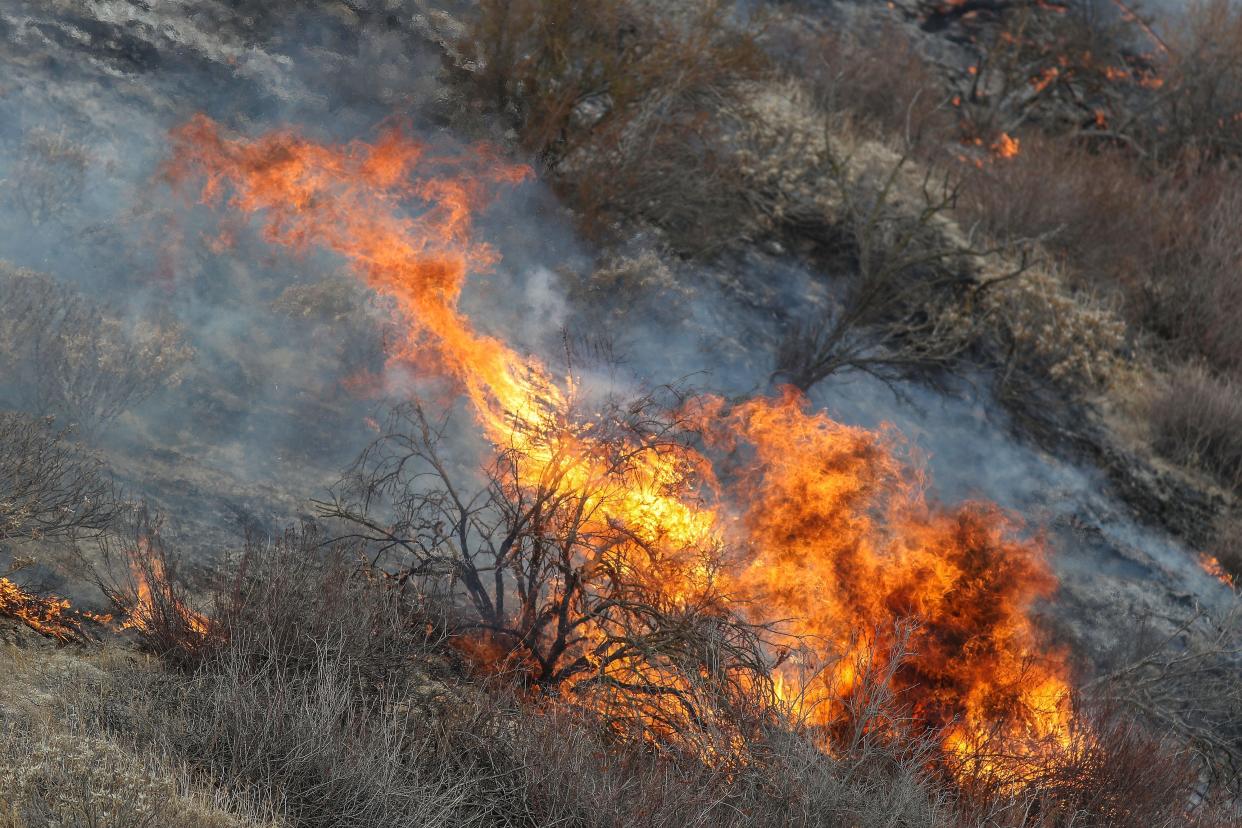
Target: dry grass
67 756
1197 420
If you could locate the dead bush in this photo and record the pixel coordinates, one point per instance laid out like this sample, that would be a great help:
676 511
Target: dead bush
49 486
64 356
49 175
339 316
1182 682
1094 208
873 77
1192 114
80 779
330 753
1193 288
905 305
290 594
1047 330
1196 419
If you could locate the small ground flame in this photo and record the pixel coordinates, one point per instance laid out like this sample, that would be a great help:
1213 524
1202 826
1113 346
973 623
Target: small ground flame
1212 566
48 616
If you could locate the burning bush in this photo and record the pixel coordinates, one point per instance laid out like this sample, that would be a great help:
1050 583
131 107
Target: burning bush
663 567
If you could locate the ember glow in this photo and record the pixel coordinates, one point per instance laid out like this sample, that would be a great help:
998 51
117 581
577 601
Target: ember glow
825 527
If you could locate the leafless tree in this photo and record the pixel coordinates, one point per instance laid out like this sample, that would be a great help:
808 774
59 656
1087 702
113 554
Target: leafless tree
548 580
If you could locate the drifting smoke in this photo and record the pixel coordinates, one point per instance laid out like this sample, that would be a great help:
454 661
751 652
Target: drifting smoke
831 531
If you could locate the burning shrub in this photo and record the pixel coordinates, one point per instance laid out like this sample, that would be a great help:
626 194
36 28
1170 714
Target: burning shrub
66 357
570 600
604 556
140 579
1115 773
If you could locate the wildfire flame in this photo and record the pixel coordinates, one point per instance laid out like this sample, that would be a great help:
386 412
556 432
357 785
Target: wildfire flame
50 616
153 595
1212 566
831 529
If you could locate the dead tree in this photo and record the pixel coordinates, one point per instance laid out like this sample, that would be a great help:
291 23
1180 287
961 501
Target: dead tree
550 579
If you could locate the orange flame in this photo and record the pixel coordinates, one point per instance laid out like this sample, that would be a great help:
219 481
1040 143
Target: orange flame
1212 566
1006 146
831 529
153 593
48 616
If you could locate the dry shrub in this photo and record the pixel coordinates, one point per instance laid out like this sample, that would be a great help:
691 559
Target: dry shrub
1193 114
290 595
338 315
1093 208
48 176
75 748
873 76
1194 287
1048 330
331 750
49 486
64 356
1161 247
628 101
1196 419
79 779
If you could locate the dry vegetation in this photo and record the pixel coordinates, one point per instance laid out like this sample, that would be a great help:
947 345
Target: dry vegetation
328 695
64 357
1084 160
331 681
